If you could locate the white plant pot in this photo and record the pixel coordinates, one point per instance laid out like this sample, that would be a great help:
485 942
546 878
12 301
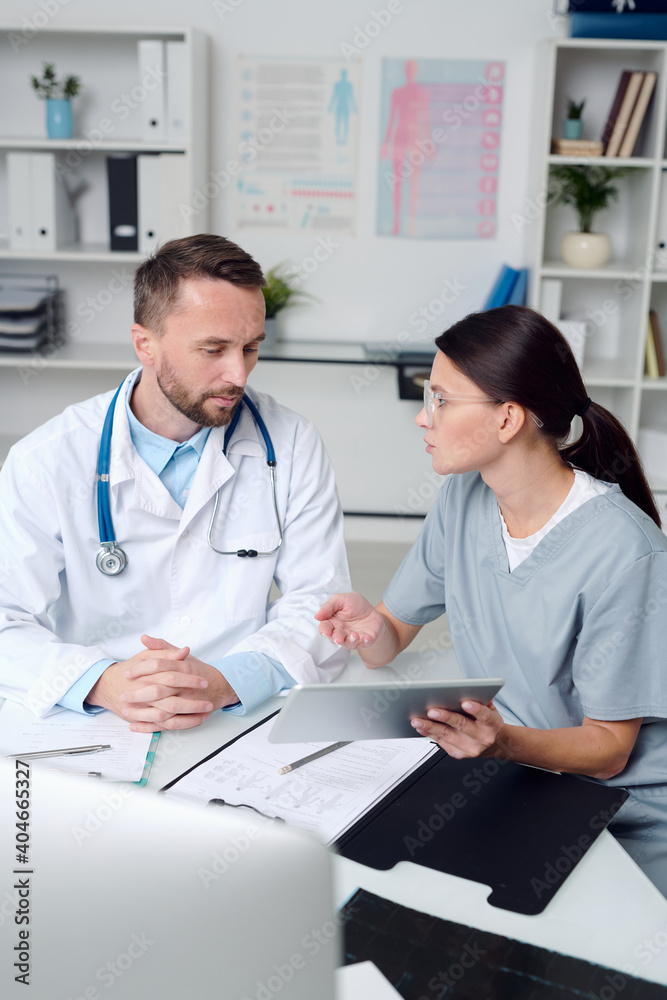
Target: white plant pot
585 250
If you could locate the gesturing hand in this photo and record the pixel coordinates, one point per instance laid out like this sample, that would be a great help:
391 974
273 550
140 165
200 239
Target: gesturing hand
461 737
349 620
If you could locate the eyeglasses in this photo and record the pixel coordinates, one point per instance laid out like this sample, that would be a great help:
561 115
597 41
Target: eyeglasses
434 400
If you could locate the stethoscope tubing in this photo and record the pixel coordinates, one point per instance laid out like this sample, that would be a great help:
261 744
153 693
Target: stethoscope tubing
111 559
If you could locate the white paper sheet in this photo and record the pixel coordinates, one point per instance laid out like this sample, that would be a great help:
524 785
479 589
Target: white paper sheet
22 732
325 796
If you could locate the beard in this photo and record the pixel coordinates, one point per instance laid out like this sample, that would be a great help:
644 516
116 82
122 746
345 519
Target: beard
193 407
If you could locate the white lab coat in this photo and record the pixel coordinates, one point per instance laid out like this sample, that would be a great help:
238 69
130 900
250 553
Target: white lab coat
59 614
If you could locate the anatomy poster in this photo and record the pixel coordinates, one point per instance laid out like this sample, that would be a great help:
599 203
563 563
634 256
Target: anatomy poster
440 131
298 133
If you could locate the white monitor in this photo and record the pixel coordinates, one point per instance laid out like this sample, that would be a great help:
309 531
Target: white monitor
129 896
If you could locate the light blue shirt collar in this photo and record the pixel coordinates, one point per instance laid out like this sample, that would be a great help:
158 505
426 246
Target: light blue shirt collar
157 450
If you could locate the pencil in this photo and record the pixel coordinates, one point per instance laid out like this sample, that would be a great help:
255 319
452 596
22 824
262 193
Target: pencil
313 756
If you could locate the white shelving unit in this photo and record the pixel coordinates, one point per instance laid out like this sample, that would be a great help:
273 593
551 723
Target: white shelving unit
97 282
614 300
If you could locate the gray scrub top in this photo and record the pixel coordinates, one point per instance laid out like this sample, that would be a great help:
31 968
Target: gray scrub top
579 628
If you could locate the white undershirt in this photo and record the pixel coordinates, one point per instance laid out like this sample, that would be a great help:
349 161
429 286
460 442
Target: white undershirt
583 488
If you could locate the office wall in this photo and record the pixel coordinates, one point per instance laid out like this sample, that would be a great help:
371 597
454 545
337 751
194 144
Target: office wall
370 285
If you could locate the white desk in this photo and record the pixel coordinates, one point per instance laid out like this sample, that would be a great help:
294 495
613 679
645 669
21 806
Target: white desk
606 912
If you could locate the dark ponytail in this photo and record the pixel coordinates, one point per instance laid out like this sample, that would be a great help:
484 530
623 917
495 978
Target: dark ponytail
515 354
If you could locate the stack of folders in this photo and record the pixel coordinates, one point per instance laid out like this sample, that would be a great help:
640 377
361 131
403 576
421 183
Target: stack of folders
509 289
28 317
147 198
628 111
41 215
163 70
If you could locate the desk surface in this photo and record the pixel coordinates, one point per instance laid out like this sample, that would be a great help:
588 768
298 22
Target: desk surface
606 912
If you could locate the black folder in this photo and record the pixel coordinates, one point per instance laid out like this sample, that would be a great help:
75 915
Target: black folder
519 829
426 958
123 206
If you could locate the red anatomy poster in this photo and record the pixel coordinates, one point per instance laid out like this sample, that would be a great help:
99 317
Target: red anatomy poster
440 132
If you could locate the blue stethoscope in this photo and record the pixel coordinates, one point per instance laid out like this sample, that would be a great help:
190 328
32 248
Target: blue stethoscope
111 560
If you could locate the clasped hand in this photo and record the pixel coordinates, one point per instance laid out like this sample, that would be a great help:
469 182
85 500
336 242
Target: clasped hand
162 687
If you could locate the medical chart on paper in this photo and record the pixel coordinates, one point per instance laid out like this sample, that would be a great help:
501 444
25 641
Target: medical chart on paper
326 796
22 732
439 156
297 140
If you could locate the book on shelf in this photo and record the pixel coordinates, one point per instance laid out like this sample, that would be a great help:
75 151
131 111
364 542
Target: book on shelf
614 7
651 369
621 110
638 114
658 344
502 289
577 147
649 26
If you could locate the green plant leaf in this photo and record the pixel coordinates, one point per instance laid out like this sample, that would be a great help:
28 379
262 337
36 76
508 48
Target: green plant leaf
587 189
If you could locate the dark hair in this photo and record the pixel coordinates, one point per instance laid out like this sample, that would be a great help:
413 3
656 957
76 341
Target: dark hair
157 280
514 353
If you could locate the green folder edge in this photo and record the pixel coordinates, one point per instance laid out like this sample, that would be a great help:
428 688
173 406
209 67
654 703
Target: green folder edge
150 756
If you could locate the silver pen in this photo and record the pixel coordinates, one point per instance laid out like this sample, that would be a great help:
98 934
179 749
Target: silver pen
58 753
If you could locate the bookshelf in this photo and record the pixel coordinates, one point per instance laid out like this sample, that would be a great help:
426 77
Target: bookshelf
97 282
613 300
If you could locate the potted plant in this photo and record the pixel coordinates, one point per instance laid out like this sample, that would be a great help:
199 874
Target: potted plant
589 190
573 124
280 291
58 95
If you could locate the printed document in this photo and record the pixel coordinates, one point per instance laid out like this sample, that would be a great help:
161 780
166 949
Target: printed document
326 796
21 732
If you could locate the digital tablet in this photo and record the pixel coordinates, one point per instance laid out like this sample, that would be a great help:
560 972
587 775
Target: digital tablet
314 713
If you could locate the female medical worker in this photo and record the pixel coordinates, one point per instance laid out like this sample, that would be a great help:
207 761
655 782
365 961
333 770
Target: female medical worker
551 565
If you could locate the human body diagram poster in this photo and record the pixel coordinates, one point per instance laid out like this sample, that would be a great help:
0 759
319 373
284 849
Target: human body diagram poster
440 131
298 137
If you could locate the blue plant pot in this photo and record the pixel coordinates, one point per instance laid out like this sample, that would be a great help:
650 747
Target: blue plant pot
572 128
59 118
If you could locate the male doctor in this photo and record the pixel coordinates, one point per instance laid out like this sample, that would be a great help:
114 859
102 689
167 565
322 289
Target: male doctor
181 630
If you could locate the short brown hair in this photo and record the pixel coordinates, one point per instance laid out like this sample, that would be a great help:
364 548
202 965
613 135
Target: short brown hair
157 280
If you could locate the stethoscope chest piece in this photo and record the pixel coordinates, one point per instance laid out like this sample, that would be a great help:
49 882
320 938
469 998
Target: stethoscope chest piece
111 560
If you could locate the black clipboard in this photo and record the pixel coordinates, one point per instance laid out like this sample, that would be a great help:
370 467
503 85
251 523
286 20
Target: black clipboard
519 829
